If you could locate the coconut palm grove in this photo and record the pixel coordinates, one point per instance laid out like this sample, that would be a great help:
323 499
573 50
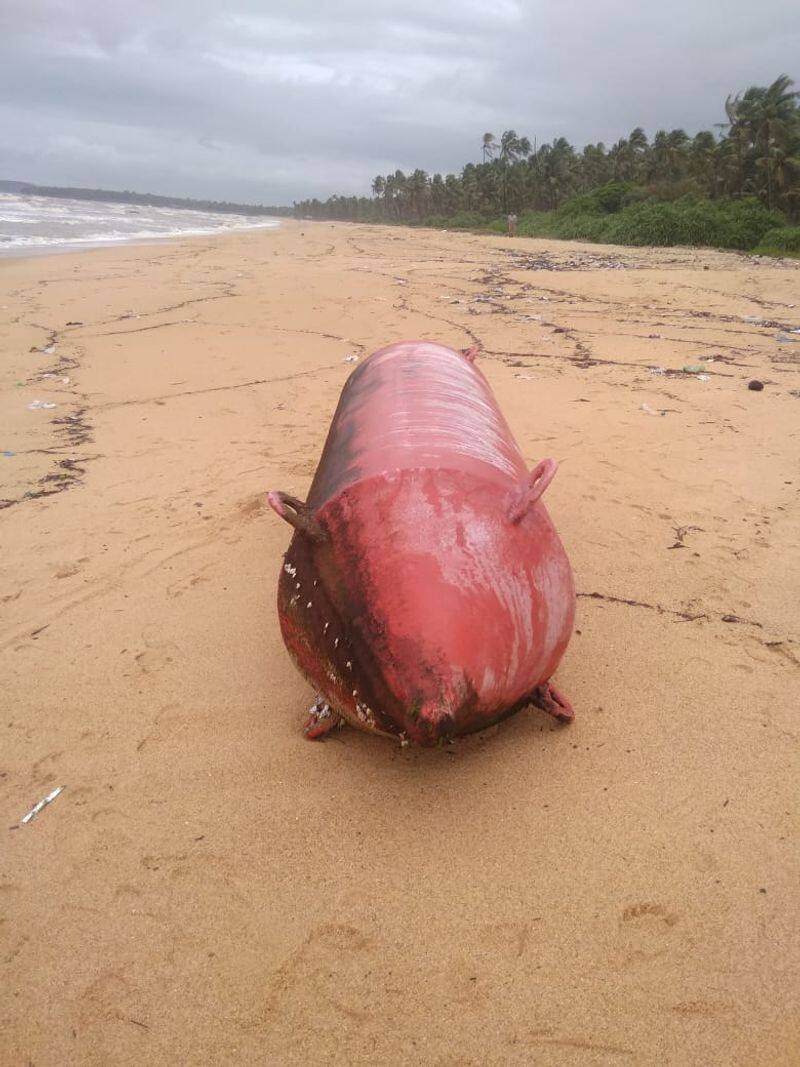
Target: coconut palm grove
737 186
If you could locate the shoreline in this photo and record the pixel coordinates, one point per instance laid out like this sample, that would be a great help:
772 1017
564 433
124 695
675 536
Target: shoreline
8 251
211 886
781 261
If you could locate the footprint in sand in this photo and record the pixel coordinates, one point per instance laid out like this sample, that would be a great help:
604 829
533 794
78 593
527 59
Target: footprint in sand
42 772
17 948
703 1007
646 931
325 985
169 717
156 657
109 996
177 589
68 570
252 508
171 865
507 939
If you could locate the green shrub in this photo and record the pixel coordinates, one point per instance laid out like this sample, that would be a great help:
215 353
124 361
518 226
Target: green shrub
536 224
737 224
583 227
659 225
584 204
436 222
605 200
746 222
613 196
781 241
672 190
466 220
616 214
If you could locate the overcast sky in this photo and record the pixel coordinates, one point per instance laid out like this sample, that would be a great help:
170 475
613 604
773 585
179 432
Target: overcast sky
261 101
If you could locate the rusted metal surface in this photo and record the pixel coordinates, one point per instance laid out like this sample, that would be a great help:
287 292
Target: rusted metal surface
425 592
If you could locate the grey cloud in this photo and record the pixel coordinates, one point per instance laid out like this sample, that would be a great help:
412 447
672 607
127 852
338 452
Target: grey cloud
273 102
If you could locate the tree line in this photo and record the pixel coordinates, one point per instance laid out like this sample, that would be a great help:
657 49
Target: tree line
755 152
114 196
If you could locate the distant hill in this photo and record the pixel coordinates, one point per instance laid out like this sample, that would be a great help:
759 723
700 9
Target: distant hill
148 199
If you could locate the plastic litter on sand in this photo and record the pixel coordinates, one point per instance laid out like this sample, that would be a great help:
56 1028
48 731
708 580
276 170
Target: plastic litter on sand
36 405
41 804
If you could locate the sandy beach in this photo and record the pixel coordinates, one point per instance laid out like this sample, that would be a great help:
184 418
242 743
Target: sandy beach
210 887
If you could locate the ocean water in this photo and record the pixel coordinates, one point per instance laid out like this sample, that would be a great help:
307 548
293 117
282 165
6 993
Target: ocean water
31 224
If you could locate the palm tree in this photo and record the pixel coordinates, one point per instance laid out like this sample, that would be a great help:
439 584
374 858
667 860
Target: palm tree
701 158
437 193
637 151
593 166
759 120
391 191
771 114
556 163
512 147
758 153
783 175
418 192
677 140
658 169
453 193
738 139
469 186
622 160
399 192
726 169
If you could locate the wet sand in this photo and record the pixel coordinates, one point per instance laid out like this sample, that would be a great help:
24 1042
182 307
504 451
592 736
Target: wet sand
210 887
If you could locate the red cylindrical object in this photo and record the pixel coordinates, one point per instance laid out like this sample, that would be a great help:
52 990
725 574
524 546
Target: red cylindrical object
425 592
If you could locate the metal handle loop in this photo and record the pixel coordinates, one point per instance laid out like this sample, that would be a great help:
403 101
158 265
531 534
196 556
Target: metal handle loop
297 513
538 480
